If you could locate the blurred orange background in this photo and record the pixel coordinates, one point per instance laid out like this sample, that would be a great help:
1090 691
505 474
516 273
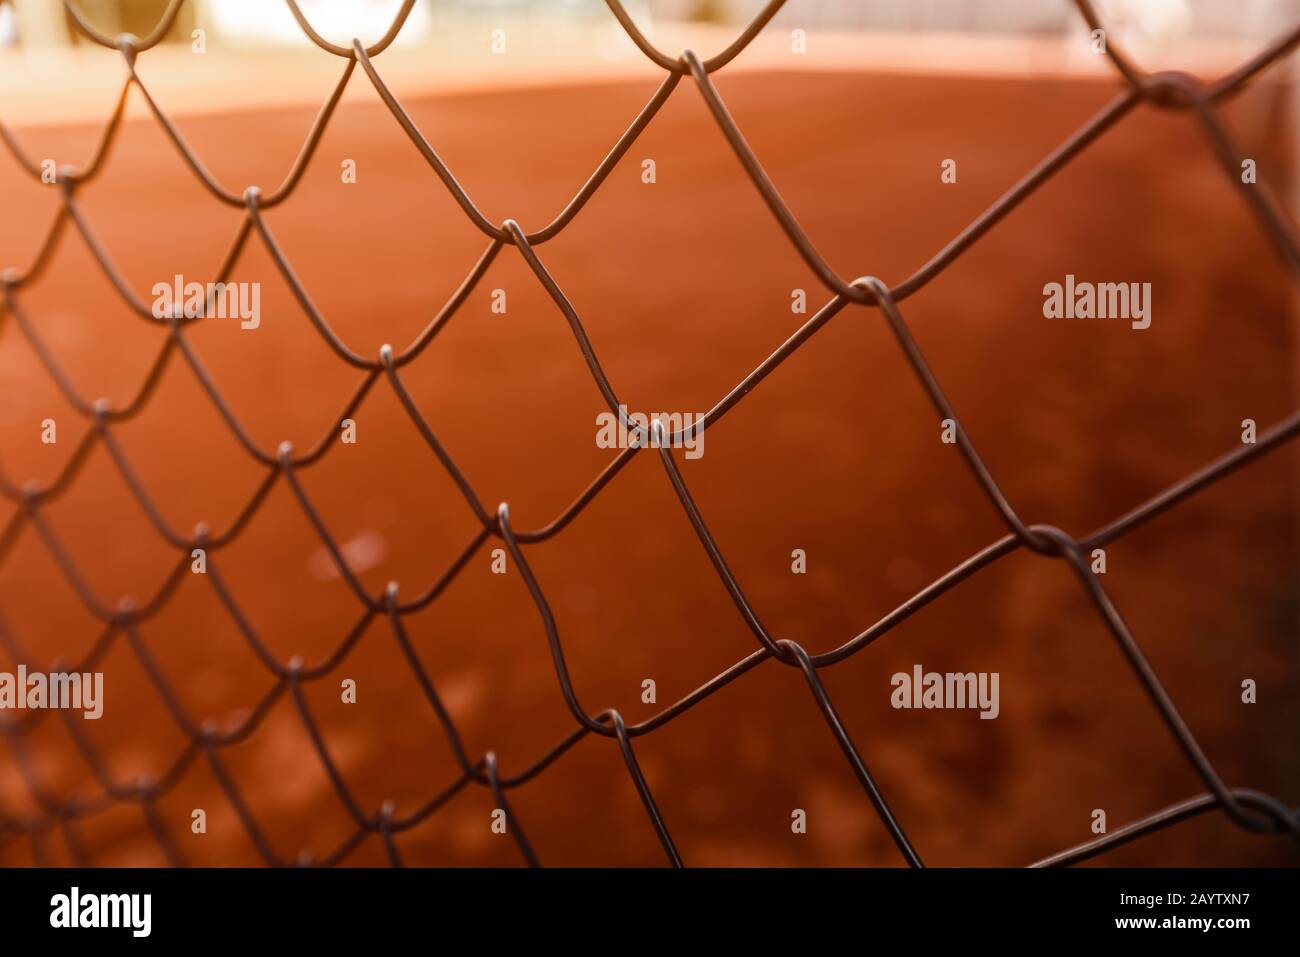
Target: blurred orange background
684 287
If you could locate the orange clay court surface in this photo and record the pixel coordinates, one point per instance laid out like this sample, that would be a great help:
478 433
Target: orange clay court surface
684 287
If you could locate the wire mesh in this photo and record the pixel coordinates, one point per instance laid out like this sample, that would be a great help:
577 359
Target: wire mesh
1250 810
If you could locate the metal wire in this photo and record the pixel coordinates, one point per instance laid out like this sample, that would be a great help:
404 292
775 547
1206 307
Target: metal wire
1250 810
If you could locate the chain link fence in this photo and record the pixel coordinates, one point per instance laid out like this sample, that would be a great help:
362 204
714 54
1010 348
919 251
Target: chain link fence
1251 810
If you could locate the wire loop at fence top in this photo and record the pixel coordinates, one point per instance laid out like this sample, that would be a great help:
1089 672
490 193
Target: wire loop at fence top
122 621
